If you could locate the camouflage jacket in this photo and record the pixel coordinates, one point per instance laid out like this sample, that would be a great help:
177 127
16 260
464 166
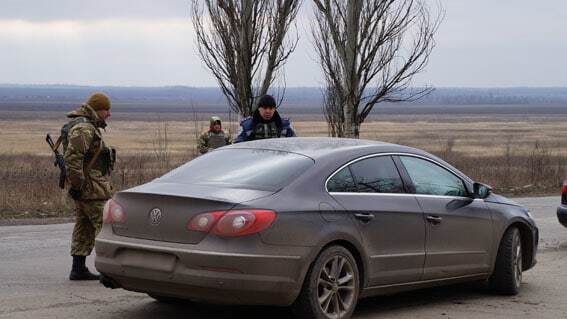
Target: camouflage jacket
211 140
85 139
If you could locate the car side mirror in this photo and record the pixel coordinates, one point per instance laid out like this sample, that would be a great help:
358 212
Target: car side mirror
481 190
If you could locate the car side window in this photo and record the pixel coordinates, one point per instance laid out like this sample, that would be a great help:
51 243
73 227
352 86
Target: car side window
431 179
377 175
342 181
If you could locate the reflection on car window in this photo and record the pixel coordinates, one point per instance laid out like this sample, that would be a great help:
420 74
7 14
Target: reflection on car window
342 182
244 168
377 175
432 179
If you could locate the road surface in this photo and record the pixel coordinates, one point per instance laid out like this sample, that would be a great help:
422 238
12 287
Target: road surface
34 265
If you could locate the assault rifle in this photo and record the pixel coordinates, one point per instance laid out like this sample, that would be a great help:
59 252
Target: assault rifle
59 161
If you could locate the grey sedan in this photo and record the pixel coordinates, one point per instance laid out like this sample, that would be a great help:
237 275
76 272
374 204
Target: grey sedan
312 223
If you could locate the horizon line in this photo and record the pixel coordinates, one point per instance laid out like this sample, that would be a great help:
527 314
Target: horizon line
275 87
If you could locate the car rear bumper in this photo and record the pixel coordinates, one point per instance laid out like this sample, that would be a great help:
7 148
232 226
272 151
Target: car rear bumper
562 214
172 270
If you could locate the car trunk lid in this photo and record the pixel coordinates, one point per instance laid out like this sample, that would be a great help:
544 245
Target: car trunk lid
161 211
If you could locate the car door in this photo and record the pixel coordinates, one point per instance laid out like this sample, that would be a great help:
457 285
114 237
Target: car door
390 221
459 228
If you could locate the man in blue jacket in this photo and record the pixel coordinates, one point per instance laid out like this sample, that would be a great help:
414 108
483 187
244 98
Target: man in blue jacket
265 122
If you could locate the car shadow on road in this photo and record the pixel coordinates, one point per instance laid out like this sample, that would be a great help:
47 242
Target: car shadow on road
378 307
154 309
426 298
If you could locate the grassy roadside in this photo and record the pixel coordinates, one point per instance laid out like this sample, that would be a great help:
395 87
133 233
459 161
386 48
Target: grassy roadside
518 157
29 187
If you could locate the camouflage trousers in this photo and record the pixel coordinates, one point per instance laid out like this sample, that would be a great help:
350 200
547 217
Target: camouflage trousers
88 222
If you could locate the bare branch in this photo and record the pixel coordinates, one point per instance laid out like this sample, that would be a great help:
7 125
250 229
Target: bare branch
370 50
243 44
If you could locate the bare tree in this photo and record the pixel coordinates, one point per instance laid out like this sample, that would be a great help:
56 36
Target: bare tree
161 145
369 51
243 43
333 112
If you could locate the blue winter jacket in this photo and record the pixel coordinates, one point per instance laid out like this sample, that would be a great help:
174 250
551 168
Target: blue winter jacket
248 124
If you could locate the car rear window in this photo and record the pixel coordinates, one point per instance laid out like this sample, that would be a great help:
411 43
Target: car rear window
242 168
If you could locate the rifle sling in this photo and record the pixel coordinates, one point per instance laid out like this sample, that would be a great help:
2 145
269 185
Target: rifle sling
92 161
56 145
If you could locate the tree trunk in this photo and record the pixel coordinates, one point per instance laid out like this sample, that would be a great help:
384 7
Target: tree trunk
356 130
280 28
245 56
351 81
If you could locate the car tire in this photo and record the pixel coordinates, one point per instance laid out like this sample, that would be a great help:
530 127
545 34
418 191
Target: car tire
507 276
331 286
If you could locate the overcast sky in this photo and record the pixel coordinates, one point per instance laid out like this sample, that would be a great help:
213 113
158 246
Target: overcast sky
481 43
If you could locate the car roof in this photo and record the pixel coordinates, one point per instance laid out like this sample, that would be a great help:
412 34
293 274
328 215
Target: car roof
333 149
317 147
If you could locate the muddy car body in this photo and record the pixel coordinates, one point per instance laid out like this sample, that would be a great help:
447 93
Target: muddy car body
316 223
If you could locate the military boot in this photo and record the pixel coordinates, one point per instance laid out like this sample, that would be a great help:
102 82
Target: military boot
79 270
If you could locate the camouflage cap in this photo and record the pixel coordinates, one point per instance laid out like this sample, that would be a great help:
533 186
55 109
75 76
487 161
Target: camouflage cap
99 101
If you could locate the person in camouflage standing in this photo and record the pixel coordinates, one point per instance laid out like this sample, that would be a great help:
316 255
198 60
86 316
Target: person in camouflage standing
88 163
213 138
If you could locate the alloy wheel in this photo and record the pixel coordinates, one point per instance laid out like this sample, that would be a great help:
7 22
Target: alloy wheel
517 261
336 287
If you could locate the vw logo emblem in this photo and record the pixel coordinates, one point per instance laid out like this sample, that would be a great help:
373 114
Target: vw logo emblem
155 216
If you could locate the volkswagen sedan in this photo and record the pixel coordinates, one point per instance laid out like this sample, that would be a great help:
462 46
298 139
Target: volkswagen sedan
312 223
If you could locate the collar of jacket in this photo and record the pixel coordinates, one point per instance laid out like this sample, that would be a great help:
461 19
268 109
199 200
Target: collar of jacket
256 118
87 111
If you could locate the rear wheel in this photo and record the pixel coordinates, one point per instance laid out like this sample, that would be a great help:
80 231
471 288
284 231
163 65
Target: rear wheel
507 276
331 287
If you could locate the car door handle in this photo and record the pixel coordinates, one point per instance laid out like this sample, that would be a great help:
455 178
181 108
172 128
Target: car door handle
365 217
434 219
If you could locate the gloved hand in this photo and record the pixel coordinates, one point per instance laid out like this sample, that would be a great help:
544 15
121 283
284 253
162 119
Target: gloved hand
75 193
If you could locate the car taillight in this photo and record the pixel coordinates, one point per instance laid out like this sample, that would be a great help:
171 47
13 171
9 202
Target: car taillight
564 193
233 223
204 222
244 222
113 213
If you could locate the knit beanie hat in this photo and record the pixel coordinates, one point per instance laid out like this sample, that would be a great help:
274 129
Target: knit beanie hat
267 101
99 101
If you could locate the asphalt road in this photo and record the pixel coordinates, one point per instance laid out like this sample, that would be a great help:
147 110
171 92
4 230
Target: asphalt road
34 265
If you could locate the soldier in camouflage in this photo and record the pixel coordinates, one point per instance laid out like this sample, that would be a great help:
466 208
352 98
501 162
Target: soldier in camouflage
265 122
213 138
88 163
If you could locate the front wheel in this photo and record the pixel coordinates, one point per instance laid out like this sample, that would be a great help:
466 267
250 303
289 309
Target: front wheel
507 276
331 286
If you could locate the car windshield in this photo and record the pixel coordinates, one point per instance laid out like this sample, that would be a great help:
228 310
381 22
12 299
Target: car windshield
242 168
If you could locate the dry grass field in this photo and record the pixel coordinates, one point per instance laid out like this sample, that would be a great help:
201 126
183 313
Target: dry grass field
517 155
480 136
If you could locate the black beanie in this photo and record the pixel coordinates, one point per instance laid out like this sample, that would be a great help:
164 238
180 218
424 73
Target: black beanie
267 101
